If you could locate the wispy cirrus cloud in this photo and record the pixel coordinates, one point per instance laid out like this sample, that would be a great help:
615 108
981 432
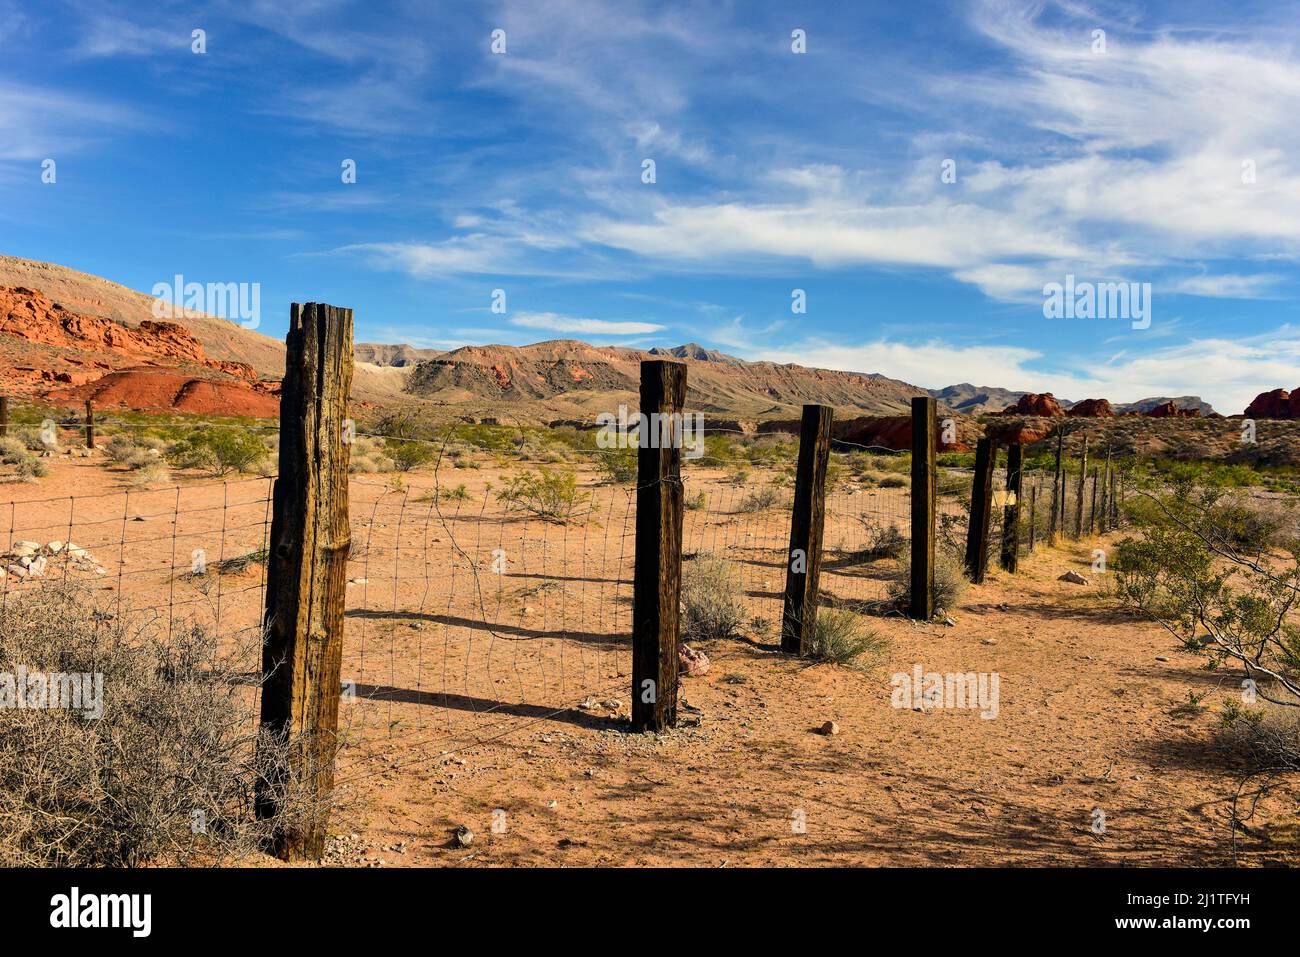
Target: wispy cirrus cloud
553 322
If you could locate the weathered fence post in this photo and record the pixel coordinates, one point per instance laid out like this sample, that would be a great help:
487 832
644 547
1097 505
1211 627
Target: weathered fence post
306 572
1104 525
924 467
657 578
981 510
90 424
1058 489
1033 515
1092 508
803 559
4 416
1011 513
1079 490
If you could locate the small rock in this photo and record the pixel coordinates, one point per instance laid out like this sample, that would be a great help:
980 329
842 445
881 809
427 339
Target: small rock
829 728
950 623
463 837
988 641
358 581
1073 577
1162 658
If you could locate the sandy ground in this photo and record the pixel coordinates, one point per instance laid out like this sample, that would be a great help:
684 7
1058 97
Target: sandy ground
487 698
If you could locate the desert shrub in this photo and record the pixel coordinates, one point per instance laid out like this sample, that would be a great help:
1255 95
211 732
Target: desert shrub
409 455
31 438
219 449
841 637
759 500
121 447
546 493
711 599
950 579
156 762
1185 571
617 466
882 541
26 465
894 480
152 473
1267 737
696 502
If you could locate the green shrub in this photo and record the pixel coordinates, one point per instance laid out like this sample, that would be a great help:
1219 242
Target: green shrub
219 449
546 493
759 500
840 637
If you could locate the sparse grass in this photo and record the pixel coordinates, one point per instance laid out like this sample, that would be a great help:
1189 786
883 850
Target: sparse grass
712 605
759 500
838 636
547 493
950 579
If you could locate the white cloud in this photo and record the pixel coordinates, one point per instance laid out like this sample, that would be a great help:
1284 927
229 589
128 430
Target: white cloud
1227 373
1229 286
554 322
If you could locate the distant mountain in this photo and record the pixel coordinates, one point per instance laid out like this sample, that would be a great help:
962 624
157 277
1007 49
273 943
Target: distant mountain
568 378
1183 402
400 356
977 399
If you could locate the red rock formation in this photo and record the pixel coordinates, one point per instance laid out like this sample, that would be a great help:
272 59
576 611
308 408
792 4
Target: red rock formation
1092 408
1017 433
1168 410
1278 404
886 432
166 390
1031 403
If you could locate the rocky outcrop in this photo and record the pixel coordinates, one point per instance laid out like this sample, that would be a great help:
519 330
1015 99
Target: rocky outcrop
1169 410
1277 404
1092 408
150 389
1033 404
892 432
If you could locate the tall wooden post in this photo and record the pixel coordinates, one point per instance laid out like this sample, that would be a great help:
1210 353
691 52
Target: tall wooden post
306 571
1092 508
1104 525
1058 489
657 578
981 510
1033 515
924 467
1011 512
4 416
1079 490
804 558
90 424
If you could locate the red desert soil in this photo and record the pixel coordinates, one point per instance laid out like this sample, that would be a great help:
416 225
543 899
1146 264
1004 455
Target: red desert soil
1089 714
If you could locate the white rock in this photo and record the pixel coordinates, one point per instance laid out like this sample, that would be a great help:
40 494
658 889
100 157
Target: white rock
1073 577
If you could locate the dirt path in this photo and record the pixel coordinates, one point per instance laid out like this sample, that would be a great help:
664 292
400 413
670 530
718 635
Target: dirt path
1083 723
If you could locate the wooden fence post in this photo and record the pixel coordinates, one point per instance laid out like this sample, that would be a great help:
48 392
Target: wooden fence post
1079 490
981 510
4 416
803 560
1011 513
657 578
1092 509
306 572
1058 488
90 424
924 467
1033 515
1104 525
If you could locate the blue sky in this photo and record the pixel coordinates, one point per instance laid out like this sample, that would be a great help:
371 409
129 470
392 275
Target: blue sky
775 171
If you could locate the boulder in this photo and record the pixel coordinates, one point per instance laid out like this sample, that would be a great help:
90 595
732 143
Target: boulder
1277 404
1092 408
1031 403
690 662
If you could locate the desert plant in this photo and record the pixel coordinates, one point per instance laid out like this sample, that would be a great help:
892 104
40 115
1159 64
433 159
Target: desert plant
546 493
950 579
883 541
841 637
410 455
219 450
1189 572
149 753
760 499
711 599
617 466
